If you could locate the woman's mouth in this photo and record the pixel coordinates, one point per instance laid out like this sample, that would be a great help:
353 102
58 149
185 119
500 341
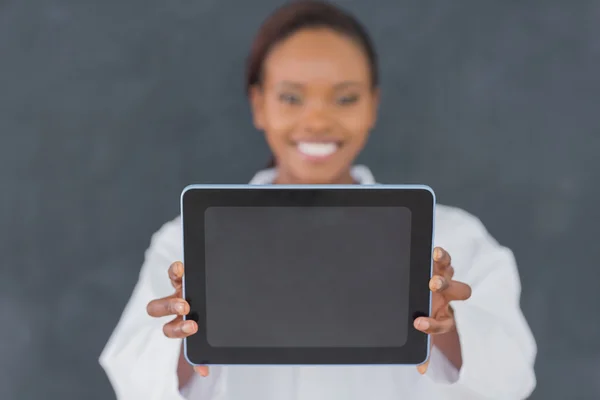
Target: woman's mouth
317 150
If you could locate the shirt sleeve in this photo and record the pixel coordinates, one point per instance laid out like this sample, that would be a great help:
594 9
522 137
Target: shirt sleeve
140 362
498 348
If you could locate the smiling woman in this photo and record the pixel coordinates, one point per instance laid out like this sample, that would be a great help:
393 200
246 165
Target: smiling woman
312 82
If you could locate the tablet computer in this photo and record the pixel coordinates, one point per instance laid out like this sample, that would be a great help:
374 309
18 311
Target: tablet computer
278 274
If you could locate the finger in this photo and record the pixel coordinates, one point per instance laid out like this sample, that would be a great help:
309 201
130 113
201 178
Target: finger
438 283
433 326
423 367
175 274
170 305
178 328
455 290
202 370
441 261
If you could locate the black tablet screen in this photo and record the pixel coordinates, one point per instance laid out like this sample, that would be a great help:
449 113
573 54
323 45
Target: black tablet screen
307 276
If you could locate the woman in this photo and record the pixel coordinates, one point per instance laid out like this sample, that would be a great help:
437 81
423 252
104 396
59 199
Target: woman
313 87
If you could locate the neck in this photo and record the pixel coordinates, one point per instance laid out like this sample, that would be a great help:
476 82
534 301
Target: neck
284 178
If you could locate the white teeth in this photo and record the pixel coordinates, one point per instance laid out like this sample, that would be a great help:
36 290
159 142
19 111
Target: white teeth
317 149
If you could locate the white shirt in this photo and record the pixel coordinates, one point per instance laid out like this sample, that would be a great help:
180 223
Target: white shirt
498 349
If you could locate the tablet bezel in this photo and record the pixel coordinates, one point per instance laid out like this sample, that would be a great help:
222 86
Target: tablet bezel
419 199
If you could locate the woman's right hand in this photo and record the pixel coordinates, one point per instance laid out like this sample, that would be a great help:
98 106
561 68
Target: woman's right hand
174 304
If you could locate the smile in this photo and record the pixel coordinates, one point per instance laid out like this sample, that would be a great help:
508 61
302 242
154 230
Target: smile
317 150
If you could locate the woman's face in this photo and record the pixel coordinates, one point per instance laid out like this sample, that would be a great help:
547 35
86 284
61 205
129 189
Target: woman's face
316 106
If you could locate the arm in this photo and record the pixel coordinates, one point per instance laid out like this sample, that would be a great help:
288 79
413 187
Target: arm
496 345
140 362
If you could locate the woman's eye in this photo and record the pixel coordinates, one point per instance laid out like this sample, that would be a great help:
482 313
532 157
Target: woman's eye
345 100
289 98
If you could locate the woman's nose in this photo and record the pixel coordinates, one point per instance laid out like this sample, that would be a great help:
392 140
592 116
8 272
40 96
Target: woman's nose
317 119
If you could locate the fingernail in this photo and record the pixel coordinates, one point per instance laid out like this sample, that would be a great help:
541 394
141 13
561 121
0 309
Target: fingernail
180 308
437 254
437 283
188 327
178 269
423 324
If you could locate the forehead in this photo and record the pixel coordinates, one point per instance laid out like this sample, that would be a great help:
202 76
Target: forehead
317 55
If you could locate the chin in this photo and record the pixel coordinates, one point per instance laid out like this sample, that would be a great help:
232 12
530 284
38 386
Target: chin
318 176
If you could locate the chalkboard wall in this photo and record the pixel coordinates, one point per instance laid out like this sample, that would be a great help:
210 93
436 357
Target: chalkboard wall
109 108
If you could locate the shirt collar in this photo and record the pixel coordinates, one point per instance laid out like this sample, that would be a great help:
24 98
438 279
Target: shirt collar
360 173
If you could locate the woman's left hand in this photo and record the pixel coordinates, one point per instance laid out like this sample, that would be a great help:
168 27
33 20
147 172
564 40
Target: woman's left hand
444 291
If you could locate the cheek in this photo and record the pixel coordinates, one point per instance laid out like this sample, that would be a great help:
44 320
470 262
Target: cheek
282 120
279 121
357 122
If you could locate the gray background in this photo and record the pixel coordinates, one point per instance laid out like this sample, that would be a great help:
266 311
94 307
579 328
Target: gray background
108 108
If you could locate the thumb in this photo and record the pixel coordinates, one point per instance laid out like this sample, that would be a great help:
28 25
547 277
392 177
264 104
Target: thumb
202 370
422 368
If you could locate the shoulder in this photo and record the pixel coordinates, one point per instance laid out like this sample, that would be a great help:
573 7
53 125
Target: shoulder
166 246
457 220
169 233
464 236
168 238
